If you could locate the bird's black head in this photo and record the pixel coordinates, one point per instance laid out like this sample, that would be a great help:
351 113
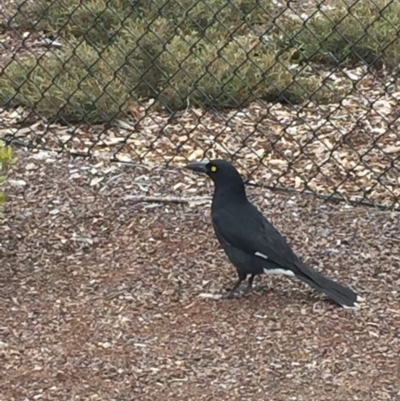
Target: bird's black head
225 176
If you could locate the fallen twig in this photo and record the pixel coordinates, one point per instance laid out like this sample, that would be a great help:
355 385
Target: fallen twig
167 199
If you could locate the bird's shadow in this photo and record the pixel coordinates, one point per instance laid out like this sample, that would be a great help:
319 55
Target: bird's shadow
259 289
263 289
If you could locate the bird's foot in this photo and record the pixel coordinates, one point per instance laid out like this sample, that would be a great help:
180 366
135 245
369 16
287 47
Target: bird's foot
248 290
229 294
210 295
260 289
226 295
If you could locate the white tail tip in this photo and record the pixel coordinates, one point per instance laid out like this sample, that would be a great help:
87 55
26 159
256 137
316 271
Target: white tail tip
356 304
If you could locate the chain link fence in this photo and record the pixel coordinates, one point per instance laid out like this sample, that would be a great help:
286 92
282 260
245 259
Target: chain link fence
301 95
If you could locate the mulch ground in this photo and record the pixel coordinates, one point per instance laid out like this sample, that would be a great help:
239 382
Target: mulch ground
99 293
102 264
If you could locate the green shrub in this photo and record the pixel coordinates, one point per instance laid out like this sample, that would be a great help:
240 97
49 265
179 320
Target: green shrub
232 17
97 21
73 85
7 159
367 31
220 74
85 84
100 20
115 53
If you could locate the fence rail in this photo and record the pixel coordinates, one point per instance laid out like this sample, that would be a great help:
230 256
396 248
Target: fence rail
302 95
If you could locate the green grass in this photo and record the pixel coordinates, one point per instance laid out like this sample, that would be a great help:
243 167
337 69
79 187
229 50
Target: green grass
181 53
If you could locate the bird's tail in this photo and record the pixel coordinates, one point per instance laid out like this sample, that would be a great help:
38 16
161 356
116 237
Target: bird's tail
342 295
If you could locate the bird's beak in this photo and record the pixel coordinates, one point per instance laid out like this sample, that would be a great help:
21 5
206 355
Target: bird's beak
198 167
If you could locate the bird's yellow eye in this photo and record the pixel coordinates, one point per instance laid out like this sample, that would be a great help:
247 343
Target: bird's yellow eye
213 169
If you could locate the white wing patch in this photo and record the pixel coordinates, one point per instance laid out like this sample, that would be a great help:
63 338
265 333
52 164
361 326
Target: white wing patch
279 271
274 271
261 255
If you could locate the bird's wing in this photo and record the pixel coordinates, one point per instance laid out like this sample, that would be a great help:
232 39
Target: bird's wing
249 231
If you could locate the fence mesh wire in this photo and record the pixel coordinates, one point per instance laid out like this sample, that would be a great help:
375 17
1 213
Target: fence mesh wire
301 95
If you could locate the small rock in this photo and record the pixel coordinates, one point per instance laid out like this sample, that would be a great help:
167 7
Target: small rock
31 166
17 183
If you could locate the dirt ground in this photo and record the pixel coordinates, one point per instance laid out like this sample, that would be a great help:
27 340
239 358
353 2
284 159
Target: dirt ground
99 294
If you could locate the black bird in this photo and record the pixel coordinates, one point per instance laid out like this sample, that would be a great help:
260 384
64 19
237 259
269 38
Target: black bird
252 243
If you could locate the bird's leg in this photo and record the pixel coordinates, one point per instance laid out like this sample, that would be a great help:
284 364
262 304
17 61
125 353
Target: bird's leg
250 283
231 293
